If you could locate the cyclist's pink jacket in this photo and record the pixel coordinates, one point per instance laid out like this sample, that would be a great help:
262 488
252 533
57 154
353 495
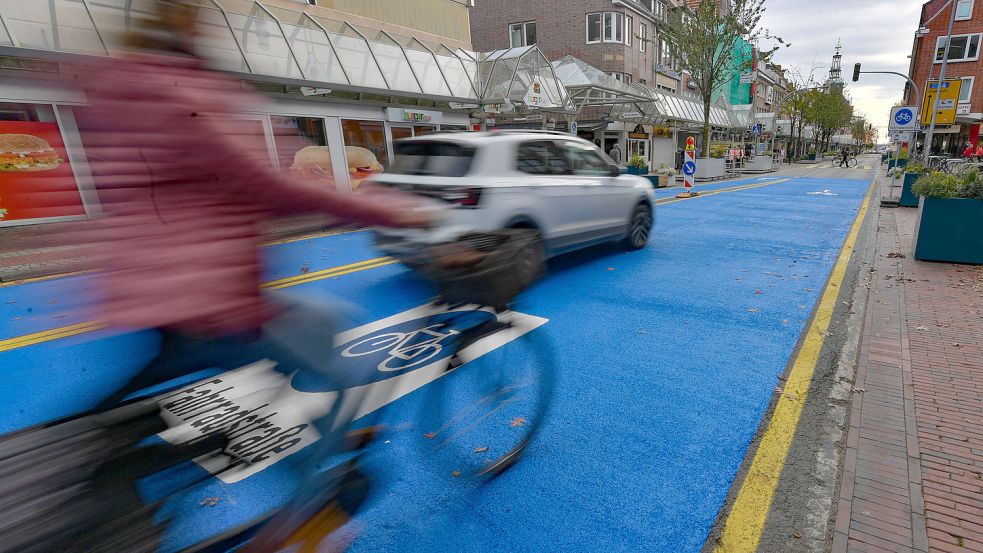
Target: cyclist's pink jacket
186 188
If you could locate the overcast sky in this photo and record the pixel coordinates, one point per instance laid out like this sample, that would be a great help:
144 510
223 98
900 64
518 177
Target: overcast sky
877 33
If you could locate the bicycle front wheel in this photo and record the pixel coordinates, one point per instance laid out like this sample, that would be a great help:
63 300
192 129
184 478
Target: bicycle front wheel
494 399
852 162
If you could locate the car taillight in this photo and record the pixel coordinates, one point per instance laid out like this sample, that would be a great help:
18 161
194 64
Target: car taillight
464 197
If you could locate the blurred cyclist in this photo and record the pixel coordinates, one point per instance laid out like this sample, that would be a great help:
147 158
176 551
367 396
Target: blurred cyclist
185 188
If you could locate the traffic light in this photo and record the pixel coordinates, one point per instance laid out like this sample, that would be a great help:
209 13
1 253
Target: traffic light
856 72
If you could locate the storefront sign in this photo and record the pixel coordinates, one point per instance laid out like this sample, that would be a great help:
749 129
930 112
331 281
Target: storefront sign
662 132
536 95
404 115
459 105
311 91
748 78
963 109
36 179
505 107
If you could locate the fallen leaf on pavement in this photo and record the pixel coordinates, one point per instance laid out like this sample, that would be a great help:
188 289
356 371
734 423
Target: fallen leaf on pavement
305 268
808 289
480 449
778 389
797 535
791 397
210 501
921 328
518 421
610 268
957 344
803 306
430 435
858 390
456 473
753 310
757 291
896 255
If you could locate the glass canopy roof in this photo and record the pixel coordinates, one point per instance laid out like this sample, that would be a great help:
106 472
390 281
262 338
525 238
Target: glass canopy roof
245 36
269 42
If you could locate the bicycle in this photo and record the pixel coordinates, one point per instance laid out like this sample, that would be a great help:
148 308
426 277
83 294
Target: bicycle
489 403
851 162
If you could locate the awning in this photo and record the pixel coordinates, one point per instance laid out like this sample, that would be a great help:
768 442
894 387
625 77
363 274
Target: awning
513 74
673 107
265 43
741 116
589 86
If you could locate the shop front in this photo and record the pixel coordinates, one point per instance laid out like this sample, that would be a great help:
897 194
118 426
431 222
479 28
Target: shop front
339 96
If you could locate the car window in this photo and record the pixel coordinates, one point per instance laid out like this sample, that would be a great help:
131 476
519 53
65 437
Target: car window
541 157
431 157
584 159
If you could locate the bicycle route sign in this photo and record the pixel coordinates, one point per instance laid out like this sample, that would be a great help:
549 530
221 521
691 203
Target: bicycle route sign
269 416
903 118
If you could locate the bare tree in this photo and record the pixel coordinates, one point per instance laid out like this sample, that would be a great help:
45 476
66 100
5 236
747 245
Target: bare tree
706 41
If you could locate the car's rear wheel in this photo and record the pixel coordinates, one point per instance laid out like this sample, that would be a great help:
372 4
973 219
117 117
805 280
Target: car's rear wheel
639 227
531 260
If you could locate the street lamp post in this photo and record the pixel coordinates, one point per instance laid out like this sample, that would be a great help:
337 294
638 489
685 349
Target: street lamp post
935 102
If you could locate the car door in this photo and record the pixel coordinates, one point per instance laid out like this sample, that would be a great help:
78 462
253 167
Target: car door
604 200
549 191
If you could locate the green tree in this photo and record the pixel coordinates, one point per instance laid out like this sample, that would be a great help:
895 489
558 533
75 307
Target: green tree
862 131
705 40
828 112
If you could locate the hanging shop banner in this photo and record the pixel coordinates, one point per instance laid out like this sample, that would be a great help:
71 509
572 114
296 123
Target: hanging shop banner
536 95
36 179
403 115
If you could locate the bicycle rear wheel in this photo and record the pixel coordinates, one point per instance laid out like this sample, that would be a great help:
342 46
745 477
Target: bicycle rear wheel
493 400
852 162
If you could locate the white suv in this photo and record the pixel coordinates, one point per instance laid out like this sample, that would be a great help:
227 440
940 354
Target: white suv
560 185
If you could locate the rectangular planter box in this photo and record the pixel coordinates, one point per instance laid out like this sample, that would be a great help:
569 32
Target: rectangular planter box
709 168
901 163
907 198
640 171
950 230
760 164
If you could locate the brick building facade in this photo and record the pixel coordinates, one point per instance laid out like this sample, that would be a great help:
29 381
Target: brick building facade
619 37
964 63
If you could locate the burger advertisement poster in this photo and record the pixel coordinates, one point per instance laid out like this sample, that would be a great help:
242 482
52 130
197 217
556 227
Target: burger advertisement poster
36 179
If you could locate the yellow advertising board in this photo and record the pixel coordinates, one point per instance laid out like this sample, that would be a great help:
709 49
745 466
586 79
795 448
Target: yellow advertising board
948 100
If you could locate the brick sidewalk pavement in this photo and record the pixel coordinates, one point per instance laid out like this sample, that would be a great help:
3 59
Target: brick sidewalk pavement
913 473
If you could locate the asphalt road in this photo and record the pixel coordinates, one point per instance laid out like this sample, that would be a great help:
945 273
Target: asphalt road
668 358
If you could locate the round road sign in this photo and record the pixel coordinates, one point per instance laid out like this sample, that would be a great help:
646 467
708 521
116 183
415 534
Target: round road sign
689 168
903 117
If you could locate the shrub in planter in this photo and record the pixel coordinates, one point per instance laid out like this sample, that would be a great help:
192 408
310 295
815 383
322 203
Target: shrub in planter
910 175
637 165
949 214
665 174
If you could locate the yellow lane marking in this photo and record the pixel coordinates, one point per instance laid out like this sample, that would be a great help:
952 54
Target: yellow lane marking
91 326
328 273
309 236
48 335
72 330
742 530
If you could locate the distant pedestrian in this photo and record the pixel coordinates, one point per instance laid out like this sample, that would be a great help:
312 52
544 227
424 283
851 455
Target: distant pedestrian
615 153
970 151
979 152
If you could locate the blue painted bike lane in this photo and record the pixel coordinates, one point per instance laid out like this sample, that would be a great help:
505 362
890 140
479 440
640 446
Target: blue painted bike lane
668 358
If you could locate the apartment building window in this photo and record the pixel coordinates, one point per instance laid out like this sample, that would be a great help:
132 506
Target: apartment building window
624 78
650 4
629 29
643 32
770 95
661 11
665 56
522 34
966 90
606 27
962 48
964 10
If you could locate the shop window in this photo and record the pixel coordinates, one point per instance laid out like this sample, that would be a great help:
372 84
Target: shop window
301 145
962 48
33 158
365 149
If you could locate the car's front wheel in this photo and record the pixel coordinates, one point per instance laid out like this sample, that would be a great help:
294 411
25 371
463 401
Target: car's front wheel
639 227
